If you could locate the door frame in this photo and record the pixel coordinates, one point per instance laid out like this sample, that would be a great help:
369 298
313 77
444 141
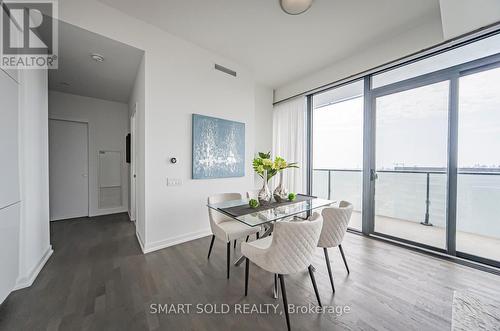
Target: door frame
451 74
87 124
398 87
133 165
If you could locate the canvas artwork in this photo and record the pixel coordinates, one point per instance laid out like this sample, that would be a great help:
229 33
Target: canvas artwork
218 148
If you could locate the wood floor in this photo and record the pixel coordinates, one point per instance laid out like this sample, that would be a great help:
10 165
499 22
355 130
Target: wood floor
98 279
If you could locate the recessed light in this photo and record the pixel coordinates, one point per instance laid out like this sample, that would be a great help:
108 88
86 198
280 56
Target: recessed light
97 57
295 7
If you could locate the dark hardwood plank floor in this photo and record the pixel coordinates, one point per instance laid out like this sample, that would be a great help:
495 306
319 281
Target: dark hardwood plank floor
98 279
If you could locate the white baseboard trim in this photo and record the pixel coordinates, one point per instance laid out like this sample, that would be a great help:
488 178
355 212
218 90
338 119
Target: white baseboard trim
101 212
97 213
141 242
28 280
130 216
154 246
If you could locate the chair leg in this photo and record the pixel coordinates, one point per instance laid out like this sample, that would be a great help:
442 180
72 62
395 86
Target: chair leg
247 266
234 246
285 301
211 245
228 257
248 237
329 268
313 280
343 258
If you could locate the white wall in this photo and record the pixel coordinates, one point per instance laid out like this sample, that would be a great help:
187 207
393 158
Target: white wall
138 97
462 16
34 239
187 84
179 80
108 127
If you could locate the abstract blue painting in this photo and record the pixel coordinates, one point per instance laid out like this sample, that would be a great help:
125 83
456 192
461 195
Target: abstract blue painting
218 148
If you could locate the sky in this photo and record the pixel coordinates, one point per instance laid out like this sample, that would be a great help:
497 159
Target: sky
411 127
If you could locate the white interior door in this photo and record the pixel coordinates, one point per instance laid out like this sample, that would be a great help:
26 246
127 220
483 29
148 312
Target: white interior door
68 163
133 167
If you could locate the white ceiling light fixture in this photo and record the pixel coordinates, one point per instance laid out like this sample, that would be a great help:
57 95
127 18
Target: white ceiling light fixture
97 57
295 7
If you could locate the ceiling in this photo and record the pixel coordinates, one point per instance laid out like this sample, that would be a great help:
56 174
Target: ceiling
278 47
112 79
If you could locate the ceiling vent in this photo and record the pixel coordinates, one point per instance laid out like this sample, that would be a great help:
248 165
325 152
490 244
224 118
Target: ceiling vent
225 70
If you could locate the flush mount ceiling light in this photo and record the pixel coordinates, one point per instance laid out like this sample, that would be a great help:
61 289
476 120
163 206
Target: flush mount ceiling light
295 7
97 57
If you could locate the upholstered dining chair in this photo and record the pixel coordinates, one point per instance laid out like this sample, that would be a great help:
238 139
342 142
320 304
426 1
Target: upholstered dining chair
335 222
289 250
225 228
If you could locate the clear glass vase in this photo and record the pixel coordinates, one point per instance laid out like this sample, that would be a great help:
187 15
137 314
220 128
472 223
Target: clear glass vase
264 193
280 193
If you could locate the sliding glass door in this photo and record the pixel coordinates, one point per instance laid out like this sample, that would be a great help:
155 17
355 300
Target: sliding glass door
416 149
411 128
478 189
338 146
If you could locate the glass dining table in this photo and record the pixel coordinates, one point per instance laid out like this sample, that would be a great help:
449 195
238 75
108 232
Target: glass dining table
267 215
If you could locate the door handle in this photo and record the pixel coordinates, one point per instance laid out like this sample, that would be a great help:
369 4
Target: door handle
373 175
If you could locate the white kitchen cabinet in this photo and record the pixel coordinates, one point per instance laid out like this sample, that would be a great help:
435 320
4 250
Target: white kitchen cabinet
9 249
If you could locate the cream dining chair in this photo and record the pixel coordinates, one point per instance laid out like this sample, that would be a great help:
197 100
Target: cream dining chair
225 228
289 250
335 222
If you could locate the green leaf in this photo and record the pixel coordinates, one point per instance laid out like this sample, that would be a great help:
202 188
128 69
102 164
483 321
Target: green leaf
265 155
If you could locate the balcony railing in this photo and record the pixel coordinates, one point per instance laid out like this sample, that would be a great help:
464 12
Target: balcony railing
419 195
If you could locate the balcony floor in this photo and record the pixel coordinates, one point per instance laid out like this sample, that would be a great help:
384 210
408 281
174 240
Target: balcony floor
474 244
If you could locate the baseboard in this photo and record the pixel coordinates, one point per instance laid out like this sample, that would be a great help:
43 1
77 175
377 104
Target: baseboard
27 281
141 242
101 212
130 216
154 246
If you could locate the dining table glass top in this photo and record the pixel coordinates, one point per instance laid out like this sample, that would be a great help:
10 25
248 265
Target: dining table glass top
278 212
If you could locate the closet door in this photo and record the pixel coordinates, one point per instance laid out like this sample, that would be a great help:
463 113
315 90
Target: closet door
9 164
68 169
9 185
9 248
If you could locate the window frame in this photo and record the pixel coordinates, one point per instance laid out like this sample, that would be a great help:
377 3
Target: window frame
451 74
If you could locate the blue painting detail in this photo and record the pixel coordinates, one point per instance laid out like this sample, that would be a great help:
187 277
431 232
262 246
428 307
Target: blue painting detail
218 148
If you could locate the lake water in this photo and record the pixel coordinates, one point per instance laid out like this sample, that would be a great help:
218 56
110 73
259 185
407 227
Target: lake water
403 196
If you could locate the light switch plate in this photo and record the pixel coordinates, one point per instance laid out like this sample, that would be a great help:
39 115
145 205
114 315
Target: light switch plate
174 182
